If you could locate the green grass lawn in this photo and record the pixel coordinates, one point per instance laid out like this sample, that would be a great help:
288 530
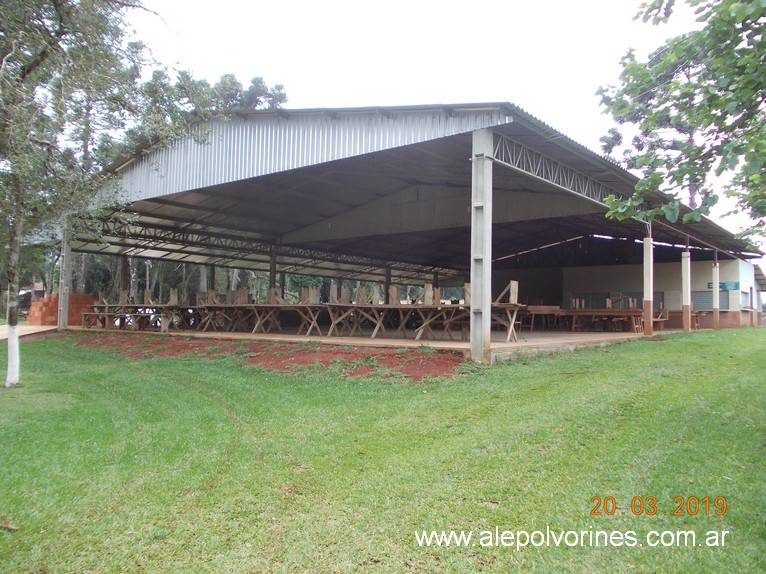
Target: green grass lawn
193 465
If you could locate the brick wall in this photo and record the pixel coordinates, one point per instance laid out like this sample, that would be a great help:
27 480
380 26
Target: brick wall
45 311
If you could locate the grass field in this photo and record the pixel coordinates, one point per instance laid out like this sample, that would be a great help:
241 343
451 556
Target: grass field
193 465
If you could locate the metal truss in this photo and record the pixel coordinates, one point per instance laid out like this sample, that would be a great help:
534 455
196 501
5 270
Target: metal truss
230 249
519 157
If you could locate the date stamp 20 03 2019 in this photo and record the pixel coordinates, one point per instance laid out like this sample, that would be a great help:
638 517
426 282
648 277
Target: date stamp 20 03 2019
647 505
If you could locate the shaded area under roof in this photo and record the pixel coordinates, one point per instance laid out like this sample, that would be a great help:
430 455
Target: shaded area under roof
351 193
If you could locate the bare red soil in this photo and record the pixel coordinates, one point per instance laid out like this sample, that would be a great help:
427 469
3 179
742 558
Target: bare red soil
415 364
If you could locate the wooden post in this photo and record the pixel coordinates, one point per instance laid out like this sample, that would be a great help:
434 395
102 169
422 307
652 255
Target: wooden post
513 297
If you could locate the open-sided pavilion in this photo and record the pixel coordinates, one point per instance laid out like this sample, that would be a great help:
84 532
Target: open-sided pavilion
441 194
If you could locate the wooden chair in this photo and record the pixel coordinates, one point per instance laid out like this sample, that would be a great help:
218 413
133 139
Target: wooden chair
512 289
658 322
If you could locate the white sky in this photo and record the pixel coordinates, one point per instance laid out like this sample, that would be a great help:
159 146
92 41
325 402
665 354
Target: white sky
548 57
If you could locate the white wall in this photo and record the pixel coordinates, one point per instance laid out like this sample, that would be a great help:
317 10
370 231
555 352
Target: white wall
667 278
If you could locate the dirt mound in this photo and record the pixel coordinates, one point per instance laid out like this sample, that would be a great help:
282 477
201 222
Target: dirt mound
415 364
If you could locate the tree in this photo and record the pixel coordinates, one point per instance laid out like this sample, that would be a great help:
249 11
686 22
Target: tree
69 85
229 95
697 108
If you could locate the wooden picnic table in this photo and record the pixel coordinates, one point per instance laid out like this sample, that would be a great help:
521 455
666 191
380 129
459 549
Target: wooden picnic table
344 319
122 315
579 316
349 318
554 312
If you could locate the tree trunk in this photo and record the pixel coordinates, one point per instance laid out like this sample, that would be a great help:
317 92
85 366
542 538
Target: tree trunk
50 267
133 290
156 277
80 273
148 292
203 286
254 285
184 294
159 278
14 358
233 280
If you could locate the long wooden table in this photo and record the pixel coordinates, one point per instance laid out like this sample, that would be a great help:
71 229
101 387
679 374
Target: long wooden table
580 316
554 312
128 315
344 319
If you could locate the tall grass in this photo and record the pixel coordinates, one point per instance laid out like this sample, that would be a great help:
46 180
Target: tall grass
192 465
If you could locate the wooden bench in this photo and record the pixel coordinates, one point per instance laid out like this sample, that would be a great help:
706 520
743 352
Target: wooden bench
99 319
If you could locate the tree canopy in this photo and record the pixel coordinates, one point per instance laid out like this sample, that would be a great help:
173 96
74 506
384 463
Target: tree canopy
696 110
72 99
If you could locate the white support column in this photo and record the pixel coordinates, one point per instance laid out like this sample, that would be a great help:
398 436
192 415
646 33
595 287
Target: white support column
481 245
716 295
648 286
65 282
686 290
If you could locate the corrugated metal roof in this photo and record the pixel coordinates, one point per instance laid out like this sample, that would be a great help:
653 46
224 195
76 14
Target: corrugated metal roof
282 178
242 146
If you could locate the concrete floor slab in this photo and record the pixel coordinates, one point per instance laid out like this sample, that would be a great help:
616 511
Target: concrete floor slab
530 343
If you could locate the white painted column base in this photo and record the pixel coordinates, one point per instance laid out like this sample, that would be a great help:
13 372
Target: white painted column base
648 286
686 290
14 358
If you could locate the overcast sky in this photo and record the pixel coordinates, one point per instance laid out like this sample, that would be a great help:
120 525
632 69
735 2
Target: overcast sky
547 56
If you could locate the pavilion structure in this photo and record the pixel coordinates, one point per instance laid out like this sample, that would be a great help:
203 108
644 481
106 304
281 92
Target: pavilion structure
439 194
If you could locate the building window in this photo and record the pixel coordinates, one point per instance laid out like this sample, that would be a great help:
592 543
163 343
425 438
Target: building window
703 300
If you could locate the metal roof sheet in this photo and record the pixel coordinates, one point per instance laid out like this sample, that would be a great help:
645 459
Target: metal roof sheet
281 178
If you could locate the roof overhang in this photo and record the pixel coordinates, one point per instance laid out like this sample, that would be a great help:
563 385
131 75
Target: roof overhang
367 192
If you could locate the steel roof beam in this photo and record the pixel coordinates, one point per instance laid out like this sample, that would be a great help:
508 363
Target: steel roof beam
518 157
149 237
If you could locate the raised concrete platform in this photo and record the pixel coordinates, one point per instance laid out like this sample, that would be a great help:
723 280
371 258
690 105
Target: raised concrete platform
25 330
530 343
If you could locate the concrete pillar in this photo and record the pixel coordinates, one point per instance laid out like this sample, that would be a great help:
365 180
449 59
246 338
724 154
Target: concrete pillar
65 282
648 286
481 245
686 290
716 295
